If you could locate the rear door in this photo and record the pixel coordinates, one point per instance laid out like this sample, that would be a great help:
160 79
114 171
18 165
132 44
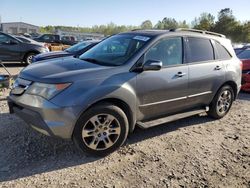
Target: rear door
9 48
206 74
163 92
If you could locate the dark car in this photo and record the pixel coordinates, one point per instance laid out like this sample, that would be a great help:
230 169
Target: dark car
144 78
53 38
75 50
13 49
244 55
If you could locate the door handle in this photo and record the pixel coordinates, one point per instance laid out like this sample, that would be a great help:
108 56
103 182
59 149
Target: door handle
180 74
217 67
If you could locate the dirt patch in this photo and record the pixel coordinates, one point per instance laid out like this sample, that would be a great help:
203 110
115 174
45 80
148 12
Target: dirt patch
194 152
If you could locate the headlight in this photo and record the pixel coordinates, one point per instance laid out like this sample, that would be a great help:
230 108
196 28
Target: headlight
47 91
44 50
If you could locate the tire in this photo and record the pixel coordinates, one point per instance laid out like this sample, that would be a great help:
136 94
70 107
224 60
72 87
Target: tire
101 130
28 58
221 103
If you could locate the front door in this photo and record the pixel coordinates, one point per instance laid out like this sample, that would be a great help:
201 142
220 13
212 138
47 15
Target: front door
165 91
9 49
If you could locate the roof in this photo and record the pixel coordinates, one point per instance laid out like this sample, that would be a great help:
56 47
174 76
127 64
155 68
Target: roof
147 32
180 30
19 23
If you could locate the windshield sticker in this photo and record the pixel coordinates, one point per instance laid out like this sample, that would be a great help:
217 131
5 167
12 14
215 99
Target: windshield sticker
142 38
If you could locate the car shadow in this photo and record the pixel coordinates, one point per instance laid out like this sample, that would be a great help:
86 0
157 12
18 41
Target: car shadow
25 152
13 64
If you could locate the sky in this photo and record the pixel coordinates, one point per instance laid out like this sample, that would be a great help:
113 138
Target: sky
86 13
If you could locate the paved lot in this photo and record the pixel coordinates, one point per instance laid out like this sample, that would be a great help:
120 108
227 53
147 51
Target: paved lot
13 67
194 152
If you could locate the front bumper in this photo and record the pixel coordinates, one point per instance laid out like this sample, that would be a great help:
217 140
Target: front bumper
44 116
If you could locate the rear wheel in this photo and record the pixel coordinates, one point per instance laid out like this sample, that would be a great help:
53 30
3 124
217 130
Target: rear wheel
222 102
28 58
101 130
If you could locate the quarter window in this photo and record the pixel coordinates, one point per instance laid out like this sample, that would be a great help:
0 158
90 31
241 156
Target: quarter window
222 52
200 50
169 51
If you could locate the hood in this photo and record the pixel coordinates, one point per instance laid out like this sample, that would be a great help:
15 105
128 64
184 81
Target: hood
50 55
64 70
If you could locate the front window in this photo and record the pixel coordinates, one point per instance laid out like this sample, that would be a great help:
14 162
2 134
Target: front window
168 51
115 50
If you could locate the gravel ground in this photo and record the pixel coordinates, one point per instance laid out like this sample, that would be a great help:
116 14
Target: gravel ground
194 152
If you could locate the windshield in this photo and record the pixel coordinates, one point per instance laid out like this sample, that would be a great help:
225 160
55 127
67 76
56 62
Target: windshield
23 39
244 55
78 47
115 50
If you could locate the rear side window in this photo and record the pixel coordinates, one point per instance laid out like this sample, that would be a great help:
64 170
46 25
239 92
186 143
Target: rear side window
200 50
222 53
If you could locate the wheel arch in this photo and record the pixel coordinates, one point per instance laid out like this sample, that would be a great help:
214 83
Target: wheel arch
234 87
28 52
121 104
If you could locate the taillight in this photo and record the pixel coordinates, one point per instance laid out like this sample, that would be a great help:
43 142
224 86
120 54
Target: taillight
241 65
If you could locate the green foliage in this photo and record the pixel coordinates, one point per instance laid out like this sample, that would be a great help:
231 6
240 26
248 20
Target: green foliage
226 24
147 25
204 22
167 23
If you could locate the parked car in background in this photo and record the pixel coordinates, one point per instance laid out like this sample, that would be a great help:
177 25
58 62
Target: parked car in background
75 50
53 38
143 77
244 55
13 49
29 40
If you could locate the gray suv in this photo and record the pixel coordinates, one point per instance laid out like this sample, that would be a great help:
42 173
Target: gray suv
142 77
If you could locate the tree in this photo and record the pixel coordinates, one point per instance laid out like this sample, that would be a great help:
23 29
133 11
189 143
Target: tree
169 23
183 24
204 22
147 25
228 25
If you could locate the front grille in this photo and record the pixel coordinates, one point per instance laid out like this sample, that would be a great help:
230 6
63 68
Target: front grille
19 86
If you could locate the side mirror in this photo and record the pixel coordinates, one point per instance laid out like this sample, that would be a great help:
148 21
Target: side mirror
153 65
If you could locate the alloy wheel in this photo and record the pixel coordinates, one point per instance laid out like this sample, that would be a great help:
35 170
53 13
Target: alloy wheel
101 132
224 102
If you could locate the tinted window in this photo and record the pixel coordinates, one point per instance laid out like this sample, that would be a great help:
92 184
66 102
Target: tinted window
245 54
238 50
200 50
115 50
23 39
169 51
4 39
222 52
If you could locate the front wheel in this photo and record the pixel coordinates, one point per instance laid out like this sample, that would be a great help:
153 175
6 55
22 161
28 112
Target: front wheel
222 102
101 129
28 58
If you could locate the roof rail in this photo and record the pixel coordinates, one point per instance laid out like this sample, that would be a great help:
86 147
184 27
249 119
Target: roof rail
198 31
136 29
